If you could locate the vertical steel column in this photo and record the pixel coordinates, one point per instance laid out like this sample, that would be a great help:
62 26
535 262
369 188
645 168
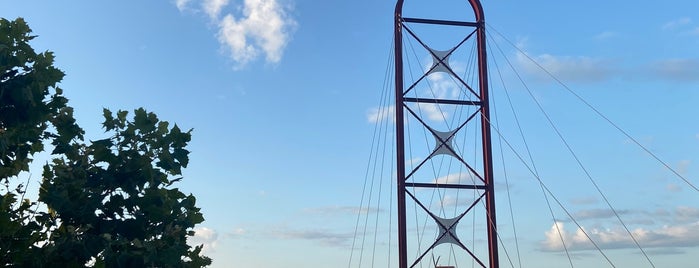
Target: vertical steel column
487 146
486 136
400 138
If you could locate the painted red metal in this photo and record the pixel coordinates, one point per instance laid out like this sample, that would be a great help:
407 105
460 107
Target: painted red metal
400 138
484 108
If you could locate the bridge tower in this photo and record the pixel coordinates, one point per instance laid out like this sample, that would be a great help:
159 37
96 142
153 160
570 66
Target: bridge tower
429 100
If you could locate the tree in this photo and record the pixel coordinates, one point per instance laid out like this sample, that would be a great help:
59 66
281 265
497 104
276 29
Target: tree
114 201
109 202
29 102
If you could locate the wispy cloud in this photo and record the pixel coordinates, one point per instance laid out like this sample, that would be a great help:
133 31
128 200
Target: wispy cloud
686 214
683 166
586 69
452 201
379 114
674 188
334 210
679 69
605 35
213 7
257 27
676 23
239 231
599 213
433 112
441 85
456 178
325 237
182 4
568 68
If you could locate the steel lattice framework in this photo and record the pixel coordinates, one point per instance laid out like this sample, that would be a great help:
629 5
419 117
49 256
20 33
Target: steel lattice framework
405 110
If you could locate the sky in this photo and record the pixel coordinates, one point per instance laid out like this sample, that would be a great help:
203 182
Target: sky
284 96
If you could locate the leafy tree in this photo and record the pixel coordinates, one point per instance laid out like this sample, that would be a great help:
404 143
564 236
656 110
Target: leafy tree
29 101
114 201
109 202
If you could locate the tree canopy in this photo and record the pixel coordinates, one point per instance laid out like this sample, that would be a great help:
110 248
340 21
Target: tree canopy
103 203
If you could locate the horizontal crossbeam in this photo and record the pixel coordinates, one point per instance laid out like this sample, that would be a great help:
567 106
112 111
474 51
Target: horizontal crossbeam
444 185
441 22
443 101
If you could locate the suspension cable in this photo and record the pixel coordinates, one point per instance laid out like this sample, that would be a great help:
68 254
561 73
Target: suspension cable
560 204
575 156
502 159
531 158
373 155
599 113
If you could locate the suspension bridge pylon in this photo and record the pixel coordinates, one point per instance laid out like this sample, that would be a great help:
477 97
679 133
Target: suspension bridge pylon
415 97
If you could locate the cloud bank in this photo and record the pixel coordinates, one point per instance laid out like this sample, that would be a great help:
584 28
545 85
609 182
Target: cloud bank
683 231
683 235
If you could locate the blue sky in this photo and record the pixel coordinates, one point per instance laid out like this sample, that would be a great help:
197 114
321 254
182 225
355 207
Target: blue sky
281 96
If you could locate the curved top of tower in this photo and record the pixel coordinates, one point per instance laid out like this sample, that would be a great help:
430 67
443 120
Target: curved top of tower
456 10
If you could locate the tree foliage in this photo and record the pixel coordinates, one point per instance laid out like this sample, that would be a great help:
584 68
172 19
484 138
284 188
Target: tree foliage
114 195
109 202
29 102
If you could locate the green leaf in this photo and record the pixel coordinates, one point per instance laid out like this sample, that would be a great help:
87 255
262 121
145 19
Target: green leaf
109 123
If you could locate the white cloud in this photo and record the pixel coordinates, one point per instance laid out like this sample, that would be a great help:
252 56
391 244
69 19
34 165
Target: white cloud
182 4
441 85
264 27
452 201
260 27
213 7
674 24
380 114
414 161
456 178
433 112
207 237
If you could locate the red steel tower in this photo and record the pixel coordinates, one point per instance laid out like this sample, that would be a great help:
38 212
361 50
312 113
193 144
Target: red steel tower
469 93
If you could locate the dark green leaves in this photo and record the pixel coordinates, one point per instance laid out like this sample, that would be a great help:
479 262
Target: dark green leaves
110 199
29 103
120 187
26 101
